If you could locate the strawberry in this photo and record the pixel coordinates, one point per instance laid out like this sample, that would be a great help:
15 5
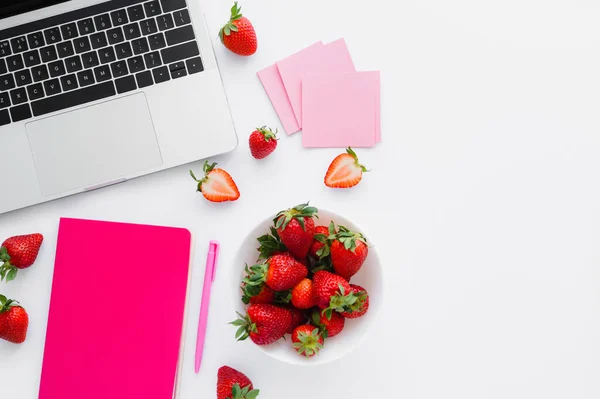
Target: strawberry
320 247
263 323
280 272
257 294
13 321
217 185
296 228
331 327
18 252
302 295
262 142
348 252
298 318
232 384
332 292
238 34
360 307
344 171
307 340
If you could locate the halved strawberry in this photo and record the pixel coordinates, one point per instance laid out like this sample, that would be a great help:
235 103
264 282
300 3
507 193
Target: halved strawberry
217 185
344 171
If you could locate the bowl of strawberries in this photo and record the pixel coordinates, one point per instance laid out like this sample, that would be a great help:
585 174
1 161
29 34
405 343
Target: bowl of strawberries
308 284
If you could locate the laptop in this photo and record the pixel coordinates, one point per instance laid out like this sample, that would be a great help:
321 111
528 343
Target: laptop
94 93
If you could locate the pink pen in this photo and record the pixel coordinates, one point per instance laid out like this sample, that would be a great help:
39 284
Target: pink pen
209 277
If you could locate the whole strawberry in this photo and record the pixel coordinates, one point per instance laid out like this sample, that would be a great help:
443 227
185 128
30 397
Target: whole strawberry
330 327
238 34
296 228
262 142
232 384
307 340
217 185
13 321
360 307
263 323
298 318
332 292
302 295
18 252
280 272
348 252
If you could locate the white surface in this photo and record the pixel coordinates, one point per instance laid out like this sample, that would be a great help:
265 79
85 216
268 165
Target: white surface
483 201
370 277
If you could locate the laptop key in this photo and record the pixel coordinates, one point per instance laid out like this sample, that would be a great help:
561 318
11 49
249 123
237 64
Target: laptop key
119 68
102 73
119 17
4 117
125 84
177 70
52 87
115 36
74 98
23 77
86 26
3 67
69 31
132 31
140 46
157 41
52 35
73 64
182 17
32 58
68 82
161 74
5 100
57 68
82 44
48 54
123 50
180 52
18 96
102 22
152 8
107 55
136 64
36 40
90 59
172 5
152 60
148 26
7 82
86 78
144 79
99 40
35 91
20 113
65 49
135 12
165 22
180 35
19 44
5 49
15 62
39 73
194 65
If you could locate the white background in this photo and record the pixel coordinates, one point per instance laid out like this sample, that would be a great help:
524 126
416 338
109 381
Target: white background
483 202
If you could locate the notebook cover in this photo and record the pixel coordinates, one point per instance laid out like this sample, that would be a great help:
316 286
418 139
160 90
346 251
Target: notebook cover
116 311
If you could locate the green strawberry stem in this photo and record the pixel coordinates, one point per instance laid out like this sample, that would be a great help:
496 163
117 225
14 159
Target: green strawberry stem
269 244
257 275
8 271
299 212
348 238
236 13
207 168
268 133
6 304
350 151
243 393
245 326
340 302
309 344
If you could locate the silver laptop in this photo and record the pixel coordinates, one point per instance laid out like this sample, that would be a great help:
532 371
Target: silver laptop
93 93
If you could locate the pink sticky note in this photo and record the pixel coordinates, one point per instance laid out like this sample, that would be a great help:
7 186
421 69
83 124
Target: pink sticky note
339 111
375 76
328 60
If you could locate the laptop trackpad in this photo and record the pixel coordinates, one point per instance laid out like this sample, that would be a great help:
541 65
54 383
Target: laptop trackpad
94 145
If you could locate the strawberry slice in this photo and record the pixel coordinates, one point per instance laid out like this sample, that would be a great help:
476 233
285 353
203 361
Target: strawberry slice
217 185
345 171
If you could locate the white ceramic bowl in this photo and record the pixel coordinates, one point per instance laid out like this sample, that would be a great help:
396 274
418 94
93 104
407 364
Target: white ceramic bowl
369 277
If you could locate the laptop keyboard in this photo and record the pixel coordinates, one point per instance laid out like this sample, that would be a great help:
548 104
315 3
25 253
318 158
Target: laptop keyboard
94 53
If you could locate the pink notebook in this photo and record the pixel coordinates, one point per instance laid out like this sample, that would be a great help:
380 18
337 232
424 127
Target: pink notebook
116 311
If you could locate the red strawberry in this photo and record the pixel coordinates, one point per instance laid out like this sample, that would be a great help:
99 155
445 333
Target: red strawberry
18 252
262 142
332 292
307 340
263 294
238 34
331 327
217 185
13 321
280 272
298 318
319 247
302 295
232 384
264 324
348 252
296 228
360 307
344 171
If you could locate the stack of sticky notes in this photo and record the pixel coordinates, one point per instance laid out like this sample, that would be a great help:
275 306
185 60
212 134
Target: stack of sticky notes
318 90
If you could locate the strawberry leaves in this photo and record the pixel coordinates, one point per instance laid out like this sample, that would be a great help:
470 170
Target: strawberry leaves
243 393
8 272
348 238
351 152
299 212
270 244
245 327
236 13
340 302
